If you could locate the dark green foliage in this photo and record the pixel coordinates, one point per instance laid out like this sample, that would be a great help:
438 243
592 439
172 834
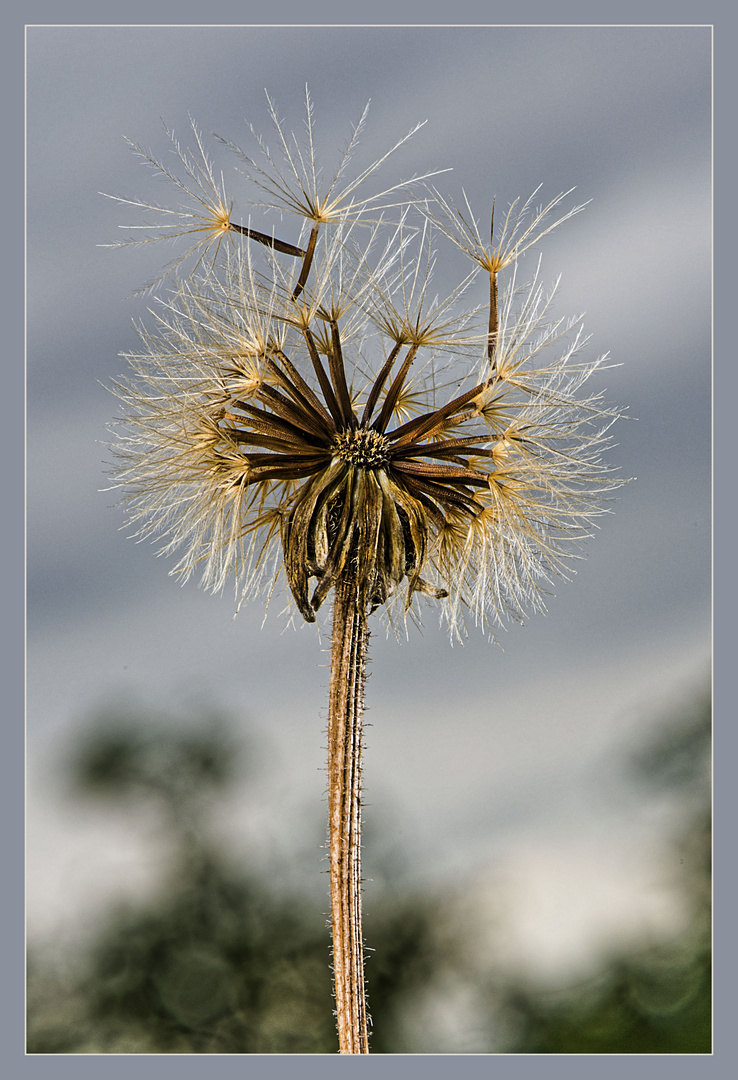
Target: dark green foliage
401 961
218 963
121 756
220 967
679 756
656 1001
635 1009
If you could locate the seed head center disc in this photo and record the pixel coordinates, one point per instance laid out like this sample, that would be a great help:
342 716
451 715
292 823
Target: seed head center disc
363 447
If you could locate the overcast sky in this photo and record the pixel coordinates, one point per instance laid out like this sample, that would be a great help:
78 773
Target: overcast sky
470 748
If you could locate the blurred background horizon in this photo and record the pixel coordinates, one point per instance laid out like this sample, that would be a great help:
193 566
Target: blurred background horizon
500 774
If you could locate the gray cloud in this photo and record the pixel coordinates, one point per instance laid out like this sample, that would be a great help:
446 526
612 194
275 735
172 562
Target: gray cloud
624 114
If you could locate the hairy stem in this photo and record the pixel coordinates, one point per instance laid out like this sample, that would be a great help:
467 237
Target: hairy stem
345 716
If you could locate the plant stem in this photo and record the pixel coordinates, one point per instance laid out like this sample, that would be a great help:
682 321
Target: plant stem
345 735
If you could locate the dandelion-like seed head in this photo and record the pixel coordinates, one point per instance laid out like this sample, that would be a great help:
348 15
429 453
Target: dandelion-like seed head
312 409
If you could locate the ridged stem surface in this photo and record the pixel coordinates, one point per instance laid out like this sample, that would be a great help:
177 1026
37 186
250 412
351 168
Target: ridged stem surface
345 736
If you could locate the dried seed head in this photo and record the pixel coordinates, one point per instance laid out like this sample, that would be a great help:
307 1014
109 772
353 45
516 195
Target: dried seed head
259 437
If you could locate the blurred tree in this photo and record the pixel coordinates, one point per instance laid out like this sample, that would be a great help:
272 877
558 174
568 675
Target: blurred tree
218 963
657 1000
